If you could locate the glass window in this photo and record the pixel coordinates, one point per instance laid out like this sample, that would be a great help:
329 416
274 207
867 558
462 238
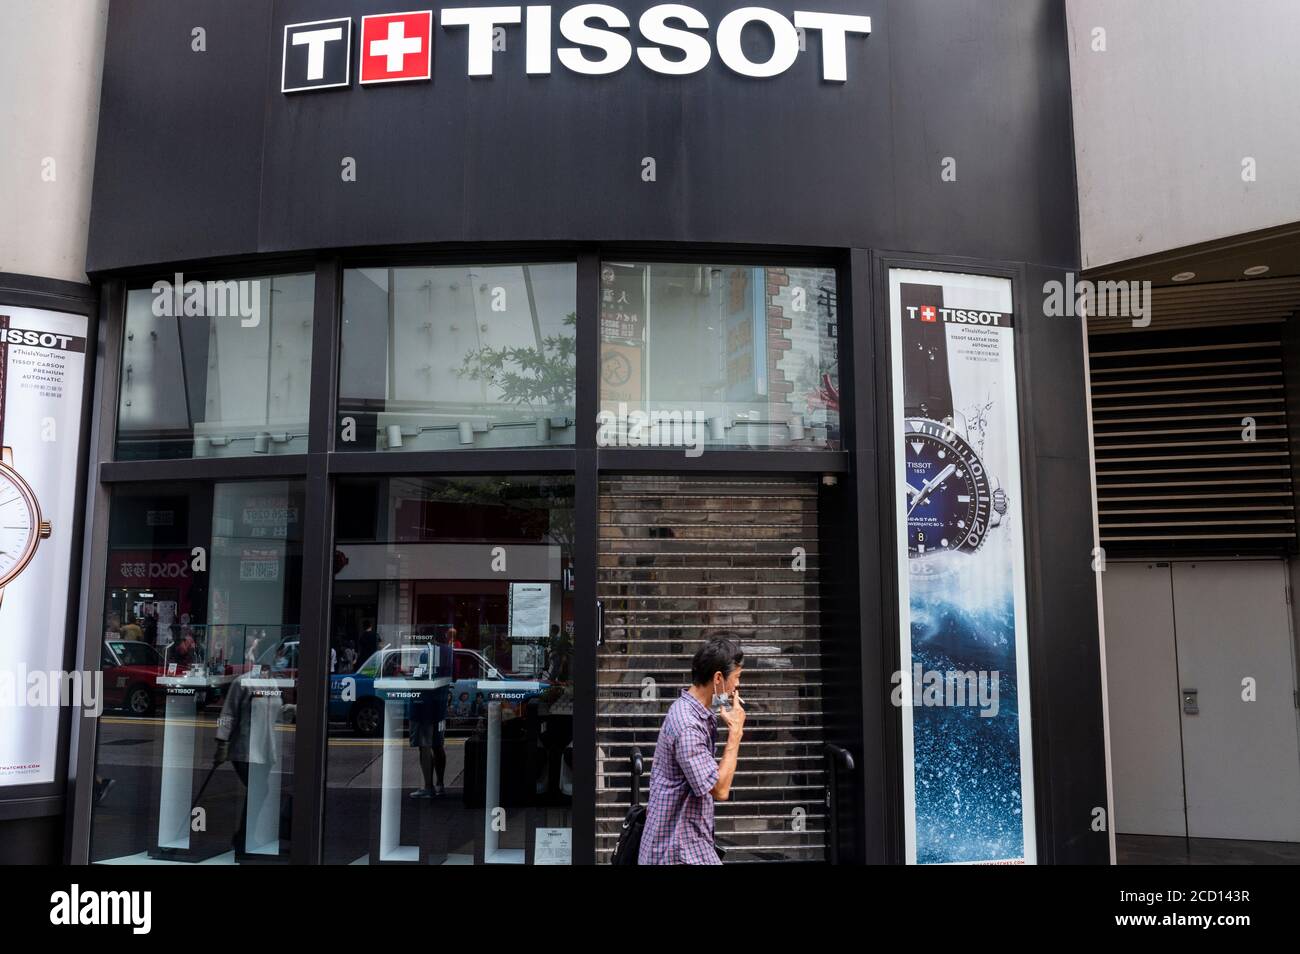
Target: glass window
201 645
216 369
450 701
718 356
457 357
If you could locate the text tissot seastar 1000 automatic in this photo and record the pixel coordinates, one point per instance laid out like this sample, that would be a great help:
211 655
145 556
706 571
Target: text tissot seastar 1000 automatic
952 501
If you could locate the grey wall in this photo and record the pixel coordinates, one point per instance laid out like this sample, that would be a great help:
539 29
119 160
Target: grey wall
51 53
1184 90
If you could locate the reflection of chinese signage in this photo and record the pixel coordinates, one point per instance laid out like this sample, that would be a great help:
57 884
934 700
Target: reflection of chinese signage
145 568
622 301
259 566
620 372
269 517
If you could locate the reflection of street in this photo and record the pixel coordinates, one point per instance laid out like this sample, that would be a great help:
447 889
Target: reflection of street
443 825
130 750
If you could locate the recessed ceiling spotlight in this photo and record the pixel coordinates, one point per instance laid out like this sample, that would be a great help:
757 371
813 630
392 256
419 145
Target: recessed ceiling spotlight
1256 270
1184 276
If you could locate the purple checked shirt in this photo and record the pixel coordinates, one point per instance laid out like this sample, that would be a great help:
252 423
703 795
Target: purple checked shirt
679 815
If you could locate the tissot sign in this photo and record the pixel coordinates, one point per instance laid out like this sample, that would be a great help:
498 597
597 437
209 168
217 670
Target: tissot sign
594 39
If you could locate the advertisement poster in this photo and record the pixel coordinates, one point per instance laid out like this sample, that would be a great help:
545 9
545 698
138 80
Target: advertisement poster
42 364
963 685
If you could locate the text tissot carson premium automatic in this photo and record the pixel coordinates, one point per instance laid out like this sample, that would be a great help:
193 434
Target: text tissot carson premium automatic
952 502
21 526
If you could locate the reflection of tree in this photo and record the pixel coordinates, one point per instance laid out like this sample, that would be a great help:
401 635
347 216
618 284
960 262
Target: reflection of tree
538 377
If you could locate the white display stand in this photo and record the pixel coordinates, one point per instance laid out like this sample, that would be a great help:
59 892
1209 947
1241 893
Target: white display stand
391 796
262 822
177 784
493 854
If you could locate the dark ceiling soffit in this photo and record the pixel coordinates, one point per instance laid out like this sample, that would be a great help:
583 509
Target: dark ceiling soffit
1282 241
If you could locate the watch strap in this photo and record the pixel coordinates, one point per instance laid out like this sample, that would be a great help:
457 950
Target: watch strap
927 388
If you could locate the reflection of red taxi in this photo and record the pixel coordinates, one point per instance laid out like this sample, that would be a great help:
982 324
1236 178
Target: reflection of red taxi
131 671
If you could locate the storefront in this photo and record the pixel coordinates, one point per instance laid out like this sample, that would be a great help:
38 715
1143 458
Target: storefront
459 372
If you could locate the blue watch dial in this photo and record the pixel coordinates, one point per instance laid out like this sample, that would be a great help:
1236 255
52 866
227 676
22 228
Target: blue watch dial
946 493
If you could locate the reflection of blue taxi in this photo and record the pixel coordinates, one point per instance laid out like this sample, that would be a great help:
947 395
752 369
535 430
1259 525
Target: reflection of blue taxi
475 682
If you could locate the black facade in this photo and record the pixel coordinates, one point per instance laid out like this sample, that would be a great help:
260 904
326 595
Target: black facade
204 166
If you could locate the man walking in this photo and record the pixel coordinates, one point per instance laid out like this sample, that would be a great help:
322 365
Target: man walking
684 777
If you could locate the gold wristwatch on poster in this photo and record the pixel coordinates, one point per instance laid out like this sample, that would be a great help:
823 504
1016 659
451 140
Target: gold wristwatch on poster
21 526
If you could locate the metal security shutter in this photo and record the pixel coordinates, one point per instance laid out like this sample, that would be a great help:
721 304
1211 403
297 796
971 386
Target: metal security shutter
682 560
1174 474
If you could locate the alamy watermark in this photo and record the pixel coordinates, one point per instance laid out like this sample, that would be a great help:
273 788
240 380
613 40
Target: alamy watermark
687 429
213 299
950 688
1104 299
39 688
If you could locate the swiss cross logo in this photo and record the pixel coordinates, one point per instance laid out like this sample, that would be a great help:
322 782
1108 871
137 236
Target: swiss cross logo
928 313
396 47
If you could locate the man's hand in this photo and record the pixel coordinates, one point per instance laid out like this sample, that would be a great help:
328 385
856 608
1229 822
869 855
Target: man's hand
734 718
222 753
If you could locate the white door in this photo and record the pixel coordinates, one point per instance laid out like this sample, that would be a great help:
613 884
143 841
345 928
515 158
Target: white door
1142 689
1241 758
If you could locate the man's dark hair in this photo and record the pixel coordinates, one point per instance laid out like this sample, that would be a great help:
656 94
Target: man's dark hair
717 655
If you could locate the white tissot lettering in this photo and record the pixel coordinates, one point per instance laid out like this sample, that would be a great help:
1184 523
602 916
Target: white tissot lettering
315 41
617 48
480 21
654 28
785 42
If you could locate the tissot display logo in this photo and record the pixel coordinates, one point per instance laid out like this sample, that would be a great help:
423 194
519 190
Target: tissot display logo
595 39
959 316
317 55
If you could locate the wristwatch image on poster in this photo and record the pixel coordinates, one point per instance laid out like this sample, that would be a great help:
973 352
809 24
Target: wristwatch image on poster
42 364
963 686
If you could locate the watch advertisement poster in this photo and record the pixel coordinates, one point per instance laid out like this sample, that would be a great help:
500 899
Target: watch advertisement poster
963 684
42 367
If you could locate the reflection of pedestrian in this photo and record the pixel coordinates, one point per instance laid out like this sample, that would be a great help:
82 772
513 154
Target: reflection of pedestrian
184 652
149 625
238 742
462 663
368 643
428 715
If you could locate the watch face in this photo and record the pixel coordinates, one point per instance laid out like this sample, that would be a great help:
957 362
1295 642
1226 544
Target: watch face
19 524
947 491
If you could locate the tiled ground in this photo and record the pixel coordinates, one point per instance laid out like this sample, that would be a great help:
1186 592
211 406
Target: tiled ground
1157 850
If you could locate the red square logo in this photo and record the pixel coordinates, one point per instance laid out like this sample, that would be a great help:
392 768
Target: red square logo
928 313
396 47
